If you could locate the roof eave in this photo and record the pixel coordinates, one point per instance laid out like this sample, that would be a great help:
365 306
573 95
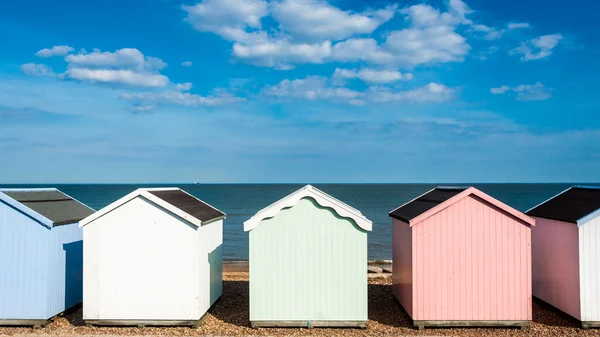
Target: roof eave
588 217
26 210
320 197
478 193
206 222
143 192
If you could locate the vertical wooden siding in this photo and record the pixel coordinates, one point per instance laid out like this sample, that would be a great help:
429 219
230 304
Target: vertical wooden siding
555 255
307 263
140 263
402 259
471 262
23 266
589 255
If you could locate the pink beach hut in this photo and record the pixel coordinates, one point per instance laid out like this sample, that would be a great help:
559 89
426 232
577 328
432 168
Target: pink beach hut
462 258
565 252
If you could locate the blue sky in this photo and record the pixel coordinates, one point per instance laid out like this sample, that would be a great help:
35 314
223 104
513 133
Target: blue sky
299 91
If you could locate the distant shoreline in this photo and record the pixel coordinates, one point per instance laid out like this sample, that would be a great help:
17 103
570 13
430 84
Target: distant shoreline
242 266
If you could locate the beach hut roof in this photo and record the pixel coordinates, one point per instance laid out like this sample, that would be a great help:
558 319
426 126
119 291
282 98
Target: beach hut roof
443 197
49 206
322 198
577 204
174 200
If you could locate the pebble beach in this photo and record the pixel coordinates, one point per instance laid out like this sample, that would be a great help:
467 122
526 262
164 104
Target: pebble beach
229 317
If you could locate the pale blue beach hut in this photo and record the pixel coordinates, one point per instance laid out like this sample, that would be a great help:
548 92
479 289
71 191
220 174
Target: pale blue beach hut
41 257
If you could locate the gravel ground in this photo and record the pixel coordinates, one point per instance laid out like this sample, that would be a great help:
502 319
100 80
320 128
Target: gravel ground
229 317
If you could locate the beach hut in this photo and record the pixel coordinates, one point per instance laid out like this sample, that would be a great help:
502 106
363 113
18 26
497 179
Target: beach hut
462 258
308 263
566 257
40 254
153 257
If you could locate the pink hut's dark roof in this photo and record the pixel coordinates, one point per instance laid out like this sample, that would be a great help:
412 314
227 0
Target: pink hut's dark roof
425 202
570 205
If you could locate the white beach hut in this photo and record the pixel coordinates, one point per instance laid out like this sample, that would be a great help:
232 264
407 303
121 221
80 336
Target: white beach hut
566 257
153 257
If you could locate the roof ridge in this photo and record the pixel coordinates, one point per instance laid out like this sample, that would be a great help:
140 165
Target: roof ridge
587 187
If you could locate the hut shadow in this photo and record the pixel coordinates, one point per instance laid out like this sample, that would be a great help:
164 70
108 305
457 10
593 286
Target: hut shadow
73 273
234 305
385 309
546 314
215 263
74 316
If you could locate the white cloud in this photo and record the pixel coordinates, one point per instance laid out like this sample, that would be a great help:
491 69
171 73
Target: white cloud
308 27
459 10
407 47
429 45
229 19
282 54
186 64
489 33
317 19
315 88
430 93
35 69
142 108
180 98
311 88
538 48
518 25
535 92
500 90
127 66
371 75
487 52
126 58
121 76
526 92
366 49
54 51
187 86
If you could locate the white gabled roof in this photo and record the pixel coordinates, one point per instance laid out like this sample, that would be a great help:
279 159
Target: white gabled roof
147 194
320 197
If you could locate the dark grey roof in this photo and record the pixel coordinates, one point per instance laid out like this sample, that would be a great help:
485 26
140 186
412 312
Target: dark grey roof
187 203
52 204
569 206
425 202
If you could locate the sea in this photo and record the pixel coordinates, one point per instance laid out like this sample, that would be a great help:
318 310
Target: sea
375 201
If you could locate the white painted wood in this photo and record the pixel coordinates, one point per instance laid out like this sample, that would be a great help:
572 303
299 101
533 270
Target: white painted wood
143 261
320 197
589 217
143 192
589 261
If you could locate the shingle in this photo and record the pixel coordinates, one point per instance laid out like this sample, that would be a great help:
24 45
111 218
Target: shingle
425 202
54 205
569 206
187 203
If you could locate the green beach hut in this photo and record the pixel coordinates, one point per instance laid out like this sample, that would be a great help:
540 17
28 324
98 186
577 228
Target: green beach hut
308 263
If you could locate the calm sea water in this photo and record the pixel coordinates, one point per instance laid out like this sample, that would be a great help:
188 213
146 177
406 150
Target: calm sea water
241 201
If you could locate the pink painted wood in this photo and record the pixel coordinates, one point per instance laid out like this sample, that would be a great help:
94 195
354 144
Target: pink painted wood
555 253
471 261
